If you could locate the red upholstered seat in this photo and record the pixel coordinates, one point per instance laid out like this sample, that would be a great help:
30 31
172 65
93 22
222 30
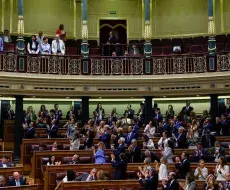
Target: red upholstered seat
92 43
199 40
167 50
227 46
166 42
188 41
9 47
221 38
205 48
228 38
206 38
85 159
177 41
186 48
220 47
196 49
65 160
156 50
71 51
156 42
94 51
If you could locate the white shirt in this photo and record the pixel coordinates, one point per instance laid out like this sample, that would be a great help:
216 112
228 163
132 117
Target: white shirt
65 179
168 154
149 144
149 131
6 39
162 142
204 172
221 176
163 172
4 165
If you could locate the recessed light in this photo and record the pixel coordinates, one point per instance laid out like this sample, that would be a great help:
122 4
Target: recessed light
164 96
100 97
131 97
67 97
33 96
197 95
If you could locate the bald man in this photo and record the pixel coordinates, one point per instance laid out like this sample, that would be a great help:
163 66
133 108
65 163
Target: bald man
17 180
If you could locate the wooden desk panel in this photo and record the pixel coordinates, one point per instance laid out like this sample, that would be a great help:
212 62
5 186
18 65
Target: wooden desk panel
51 171
1 144
25 187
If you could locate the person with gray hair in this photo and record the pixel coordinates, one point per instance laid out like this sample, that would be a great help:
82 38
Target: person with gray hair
181 141
134 153
121 147
2 181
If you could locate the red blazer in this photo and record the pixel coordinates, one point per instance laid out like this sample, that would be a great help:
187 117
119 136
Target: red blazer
62 36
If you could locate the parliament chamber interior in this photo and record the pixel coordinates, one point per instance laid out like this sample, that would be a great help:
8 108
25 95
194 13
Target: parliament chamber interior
115 95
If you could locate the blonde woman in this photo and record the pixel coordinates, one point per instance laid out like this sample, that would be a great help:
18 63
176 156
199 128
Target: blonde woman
210 183
99 155
163 170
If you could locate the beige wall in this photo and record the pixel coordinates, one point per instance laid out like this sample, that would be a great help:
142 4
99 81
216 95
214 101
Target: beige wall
169 18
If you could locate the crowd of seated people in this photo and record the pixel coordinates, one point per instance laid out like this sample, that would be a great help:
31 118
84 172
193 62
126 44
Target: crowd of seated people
183 131
15 180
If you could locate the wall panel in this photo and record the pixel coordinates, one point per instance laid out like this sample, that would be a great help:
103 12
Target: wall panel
179 18
226 15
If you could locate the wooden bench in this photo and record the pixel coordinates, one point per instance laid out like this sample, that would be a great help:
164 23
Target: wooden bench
25 187
52 171
36 160
6 172
1 145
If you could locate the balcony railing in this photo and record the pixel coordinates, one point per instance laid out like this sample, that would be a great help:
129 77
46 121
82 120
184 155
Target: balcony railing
75 65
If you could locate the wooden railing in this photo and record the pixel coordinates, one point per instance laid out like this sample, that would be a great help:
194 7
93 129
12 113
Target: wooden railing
75 65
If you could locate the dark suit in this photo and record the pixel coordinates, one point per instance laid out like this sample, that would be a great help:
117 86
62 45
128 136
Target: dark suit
29 133
8 164
115 141
83 177
172 186
129 138
187 111
181 141
183 168
225 185
135 155
119 150
72 162
12 182
150 183
9 114
105 138
130 113
208 141
120 169
89 141
53 131
215 187
225 127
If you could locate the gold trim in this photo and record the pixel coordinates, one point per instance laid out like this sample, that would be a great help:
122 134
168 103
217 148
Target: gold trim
214 14
113 27
222 15
143 19
11 14
74 19
151 18
3 15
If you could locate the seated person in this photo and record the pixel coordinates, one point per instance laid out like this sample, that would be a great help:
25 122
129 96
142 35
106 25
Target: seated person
88 176
33 46
217 151
1 45
70 176
201 172
52 161
148 143
17 180
2 181
54 146
5 163
58 46
7 37
45 46
101 175
134 51
75 159
199 153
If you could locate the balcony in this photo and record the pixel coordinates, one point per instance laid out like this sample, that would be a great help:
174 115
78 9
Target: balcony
75 65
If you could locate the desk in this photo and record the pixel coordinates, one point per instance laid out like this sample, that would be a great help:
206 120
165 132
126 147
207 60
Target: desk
6 172
25 187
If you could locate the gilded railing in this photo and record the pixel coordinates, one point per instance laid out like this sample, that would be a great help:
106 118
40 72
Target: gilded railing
75 65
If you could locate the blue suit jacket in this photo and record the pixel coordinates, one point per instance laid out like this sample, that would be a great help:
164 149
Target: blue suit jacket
9 165
119 150
120 169
129 139
105 138
30 132
53 132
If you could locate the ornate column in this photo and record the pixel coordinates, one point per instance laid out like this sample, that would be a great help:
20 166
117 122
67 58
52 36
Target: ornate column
211 28
147 33
20 40
84 45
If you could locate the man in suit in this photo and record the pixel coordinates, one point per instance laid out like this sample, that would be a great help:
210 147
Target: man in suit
225 125
208 140
2 181
186 111
184 166
130 136
130 112
17 180
121 147
172 183
181 141
30 131
217 151
58 46
105 137
120 166
88 176
134 152
9 113
151 179
75 159
53 130
5 163
225 185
